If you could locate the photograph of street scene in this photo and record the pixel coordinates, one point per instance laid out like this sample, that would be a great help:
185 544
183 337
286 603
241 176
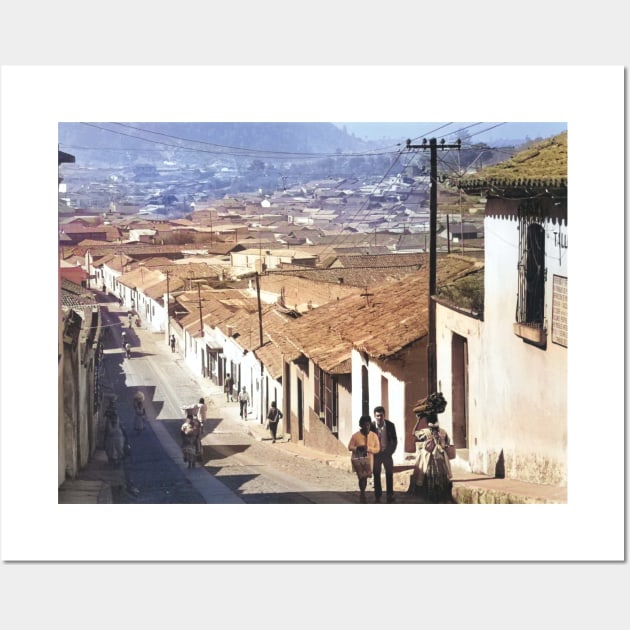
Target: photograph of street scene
312 313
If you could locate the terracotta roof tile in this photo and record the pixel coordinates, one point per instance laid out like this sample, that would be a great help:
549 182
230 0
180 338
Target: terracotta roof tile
392 316
141 279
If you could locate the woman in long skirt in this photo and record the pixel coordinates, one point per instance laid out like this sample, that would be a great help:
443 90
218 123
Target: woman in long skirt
432 475
190 436
115 439
363 445
139 411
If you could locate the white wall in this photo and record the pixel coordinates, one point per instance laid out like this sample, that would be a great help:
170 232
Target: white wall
517 391
449 322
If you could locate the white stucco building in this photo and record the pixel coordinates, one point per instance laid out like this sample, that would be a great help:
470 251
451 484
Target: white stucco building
505 375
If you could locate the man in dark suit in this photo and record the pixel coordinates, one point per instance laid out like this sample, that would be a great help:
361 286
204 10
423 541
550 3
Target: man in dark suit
386 431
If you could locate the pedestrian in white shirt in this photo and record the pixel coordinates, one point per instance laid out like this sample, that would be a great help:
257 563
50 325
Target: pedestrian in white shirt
243 399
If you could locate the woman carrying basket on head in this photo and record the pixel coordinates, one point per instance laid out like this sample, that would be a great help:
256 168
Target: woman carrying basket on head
363 444
432 476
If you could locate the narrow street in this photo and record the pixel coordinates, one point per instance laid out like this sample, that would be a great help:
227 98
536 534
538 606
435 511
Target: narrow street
262 472
250 470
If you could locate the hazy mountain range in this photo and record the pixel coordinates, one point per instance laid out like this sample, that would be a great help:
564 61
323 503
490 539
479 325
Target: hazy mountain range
197 142
201 143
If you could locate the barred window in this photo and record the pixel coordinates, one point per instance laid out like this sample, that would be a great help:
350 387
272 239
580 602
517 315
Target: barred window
530 307
530 322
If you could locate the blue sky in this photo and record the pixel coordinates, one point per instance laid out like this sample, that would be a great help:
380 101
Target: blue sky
487 132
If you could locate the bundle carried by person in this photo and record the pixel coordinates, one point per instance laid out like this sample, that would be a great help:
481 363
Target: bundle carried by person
433 404
191 409
361 462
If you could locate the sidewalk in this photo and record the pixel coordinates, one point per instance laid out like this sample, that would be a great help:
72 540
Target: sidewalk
98 482
468 487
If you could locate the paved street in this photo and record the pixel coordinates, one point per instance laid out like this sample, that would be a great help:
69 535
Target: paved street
247 469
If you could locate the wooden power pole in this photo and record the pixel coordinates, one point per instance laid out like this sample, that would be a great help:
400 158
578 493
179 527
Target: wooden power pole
200 311
432 146
260 326
168 310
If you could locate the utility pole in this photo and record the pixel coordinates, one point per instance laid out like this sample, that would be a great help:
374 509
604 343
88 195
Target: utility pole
168 310
432 145
448 236
199 302
260 327
260 330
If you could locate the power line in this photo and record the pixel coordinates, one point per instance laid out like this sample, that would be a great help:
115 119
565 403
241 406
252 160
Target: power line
232 151
245 152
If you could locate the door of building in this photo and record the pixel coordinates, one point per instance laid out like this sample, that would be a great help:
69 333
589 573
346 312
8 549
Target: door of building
459 363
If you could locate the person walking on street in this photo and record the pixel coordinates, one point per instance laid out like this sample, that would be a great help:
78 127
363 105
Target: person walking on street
128 350
363 445
115 438
228 387
123 336
139 411
202 412
172 343
386 431
190 439
273 418
243 399
432 476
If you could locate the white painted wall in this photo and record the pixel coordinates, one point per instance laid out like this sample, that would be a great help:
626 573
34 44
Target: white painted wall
449 322
517 391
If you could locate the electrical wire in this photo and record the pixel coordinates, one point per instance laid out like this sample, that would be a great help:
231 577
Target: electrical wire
232 151
228 150
361 208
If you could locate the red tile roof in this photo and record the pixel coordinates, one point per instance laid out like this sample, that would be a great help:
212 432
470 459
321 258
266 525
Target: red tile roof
390 317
